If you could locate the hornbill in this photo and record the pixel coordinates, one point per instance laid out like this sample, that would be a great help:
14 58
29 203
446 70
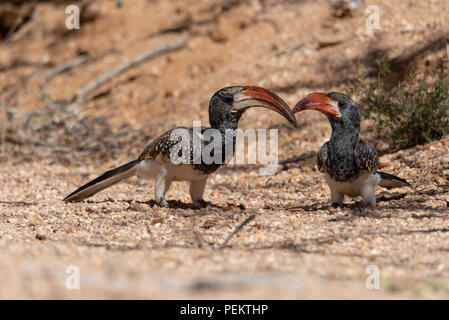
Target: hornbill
348 163
157 161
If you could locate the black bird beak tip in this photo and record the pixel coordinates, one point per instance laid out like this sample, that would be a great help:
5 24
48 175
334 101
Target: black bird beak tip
252 96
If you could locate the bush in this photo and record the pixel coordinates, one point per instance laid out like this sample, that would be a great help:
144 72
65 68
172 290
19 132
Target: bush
409 112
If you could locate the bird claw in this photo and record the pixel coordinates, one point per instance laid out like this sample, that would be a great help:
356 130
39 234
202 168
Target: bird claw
201 204
359 212
163 203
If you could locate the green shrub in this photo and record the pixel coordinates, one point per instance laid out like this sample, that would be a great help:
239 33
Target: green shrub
411 111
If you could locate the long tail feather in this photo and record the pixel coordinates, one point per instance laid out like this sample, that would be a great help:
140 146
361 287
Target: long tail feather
104 181
391 181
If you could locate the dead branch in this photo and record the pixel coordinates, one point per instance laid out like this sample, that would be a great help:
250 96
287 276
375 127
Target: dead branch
27 78
237 229
57 70
45 94
126 64
11 31
18 203
301 157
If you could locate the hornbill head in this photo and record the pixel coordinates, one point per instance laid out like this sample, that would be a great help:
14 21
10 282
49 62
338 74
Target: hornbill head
337 106
228 104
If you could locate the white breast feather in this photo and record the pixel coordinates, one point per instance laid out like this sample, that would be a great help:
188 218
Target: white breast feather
354 187
149 169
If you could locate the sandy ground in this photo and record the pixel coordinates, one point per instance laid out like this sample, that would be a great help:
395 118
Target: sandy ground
124 246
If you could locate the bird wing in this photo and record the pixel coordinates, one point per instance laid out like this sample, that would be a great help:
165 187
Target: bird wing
161 148
366 156
321 157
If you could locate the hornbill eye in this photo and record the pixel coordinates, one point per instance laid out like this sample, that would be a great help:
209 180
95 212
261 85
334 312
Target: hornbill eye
228 99
341 105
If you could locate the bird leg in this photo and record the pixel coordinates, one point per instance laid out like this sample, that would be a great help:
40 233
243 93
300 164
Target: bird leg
196 192
161 185
336 197
369 196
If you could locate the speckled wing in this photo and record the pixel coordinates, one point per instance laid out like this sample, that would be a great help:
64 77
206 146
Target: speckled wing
321 157
366 156
160 147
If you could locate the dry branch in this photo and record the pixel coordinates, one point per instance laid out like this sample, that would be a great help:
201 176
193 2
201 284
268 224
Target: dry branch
57 70
237 229
18 203
302 157
27 78
126 64
11 31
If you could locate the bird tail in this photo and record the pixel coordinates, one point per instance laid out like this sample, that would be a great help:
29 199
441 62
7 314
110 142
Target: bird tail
391 181
104 181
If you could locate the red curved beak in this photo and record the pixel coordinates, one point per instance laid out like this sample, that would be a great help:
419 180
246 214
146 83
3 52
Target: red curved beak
252 96
318 101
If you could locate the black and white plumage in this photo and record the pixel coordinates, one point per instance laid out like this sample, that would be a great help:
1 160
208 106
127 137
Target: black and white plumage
157 161
348 163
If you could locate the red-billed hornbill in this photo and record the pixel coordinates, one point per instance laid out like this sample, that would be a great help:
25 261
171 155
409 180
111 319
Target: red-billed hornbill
349 164
225 109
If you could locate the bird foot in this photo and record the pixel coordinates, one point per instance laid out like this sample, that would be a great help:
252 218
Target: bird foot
363 210
200 204
359 212
336 205
163 203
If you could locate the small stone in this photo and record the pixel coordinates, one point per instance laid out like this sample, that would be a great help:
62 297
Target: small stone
209 224
40 236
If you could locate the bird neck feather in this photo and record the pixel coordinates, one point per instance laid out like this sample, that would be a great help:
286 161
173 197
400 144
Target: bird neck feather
343 133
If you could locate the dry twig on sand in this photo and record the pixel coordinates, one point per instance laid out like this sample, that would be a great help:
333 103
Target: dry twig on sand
237 229
126 64
301 157
57 70
18 203
11 31
27 78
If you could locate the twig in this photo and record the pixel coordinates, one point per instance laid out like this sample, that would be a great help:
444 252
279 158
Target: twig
304 156
4 127
45 94
237 229
126 64
11 31
288 50
27 78
57 70
17 203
